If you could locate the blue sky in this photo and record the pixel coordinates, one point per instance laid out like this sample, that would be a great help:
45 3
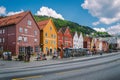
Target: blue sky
102 15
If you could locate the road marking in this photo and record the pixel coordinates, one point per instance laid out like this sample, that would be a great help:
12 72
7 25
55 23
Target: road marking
65 72
28 77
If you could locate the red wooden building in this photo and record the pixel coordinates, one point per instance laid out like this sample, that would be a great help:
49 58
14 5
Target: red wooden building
17 32
65 38
87 42
105 46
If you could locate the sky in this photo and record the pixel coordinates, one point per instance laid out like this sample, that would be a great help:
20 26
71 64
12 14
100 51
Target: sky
101 15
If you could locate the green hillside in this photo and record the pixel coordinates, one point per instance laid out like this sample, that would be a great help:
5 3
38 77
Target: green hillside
73 26
64 23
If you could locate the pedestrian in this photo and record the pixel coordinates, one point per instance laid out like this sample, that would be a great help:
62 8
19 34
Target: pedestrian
38 56
55 55
47 52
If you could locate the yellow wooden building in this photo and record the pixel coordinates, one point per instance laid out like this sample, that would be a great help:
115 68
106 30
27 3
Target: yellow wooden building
48 36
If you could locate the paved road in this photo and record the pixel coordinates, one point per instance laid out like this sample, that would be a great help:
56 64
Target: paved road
104 68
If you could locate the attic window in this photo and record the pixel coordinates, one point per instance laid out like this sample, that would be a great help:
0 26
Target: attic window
29 22
50 28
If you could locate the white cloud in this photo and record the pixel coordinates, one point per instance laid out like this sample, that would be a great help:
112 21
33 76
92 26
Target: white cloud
13 13
95 23
107 11
2 10
45 11
115 29
100 29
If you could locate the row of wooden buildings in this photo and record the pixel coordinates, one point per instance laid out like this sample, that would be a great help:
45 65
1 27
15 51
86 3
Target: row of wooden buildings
20 33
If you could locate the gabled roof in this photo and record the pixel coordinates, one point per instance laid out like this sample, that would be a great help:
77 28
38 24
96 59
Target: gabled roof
73 34
14 19
87 38
42 24
63 29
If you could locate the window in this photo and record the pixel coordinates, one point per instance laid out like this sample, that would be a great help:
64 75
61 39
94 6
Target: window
20 29
26 30
31 49
1 48
0 40
50 28
46 34
0 31
54 36
20 38
47 49
54 42
35 40
25 39
21 49
35 32
36 48
51 35
46 41
3 31
29 22
66 38
3 40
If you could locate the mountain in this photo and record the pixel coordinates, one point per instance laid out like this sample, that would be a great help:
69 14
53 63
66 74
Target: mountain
64 23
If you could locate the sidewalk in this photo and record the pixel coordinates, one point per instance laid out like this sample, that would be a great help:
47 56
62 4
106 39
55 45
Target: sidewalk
22 64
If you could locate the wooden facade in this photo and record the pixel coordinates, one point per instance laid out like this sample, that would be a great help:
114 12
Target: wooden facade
18 32
48 31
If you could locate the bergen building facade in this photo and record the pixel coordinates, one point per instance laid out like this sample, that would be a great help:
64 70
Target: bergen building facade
48 36
17 32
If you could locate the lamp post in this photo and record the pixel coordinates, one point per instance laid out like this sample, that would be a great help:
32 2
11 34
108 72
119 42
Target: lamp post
61 53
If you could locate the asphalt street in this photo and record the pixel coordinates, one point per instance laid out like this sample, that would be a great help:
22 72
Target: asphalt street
104 68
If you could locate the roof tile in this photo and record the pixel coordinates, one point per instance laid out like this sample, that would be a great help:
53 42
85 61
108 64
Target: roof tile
42 24
14 19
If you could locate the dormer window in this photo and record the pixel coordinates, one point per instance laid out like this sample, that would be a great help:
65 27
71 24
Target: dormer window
50 28
29 22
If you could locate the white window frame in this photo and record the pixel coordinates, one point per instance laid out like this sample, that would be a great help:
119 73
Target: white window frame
29 22
25 39
26 30
19 38
20 29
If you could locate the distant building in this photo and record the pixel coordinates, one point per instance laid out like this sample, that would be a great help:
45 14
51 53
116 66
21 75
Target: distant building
48 35
87 42
112 41
67 38
17 32
80 41
118 43
75 40
60 38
